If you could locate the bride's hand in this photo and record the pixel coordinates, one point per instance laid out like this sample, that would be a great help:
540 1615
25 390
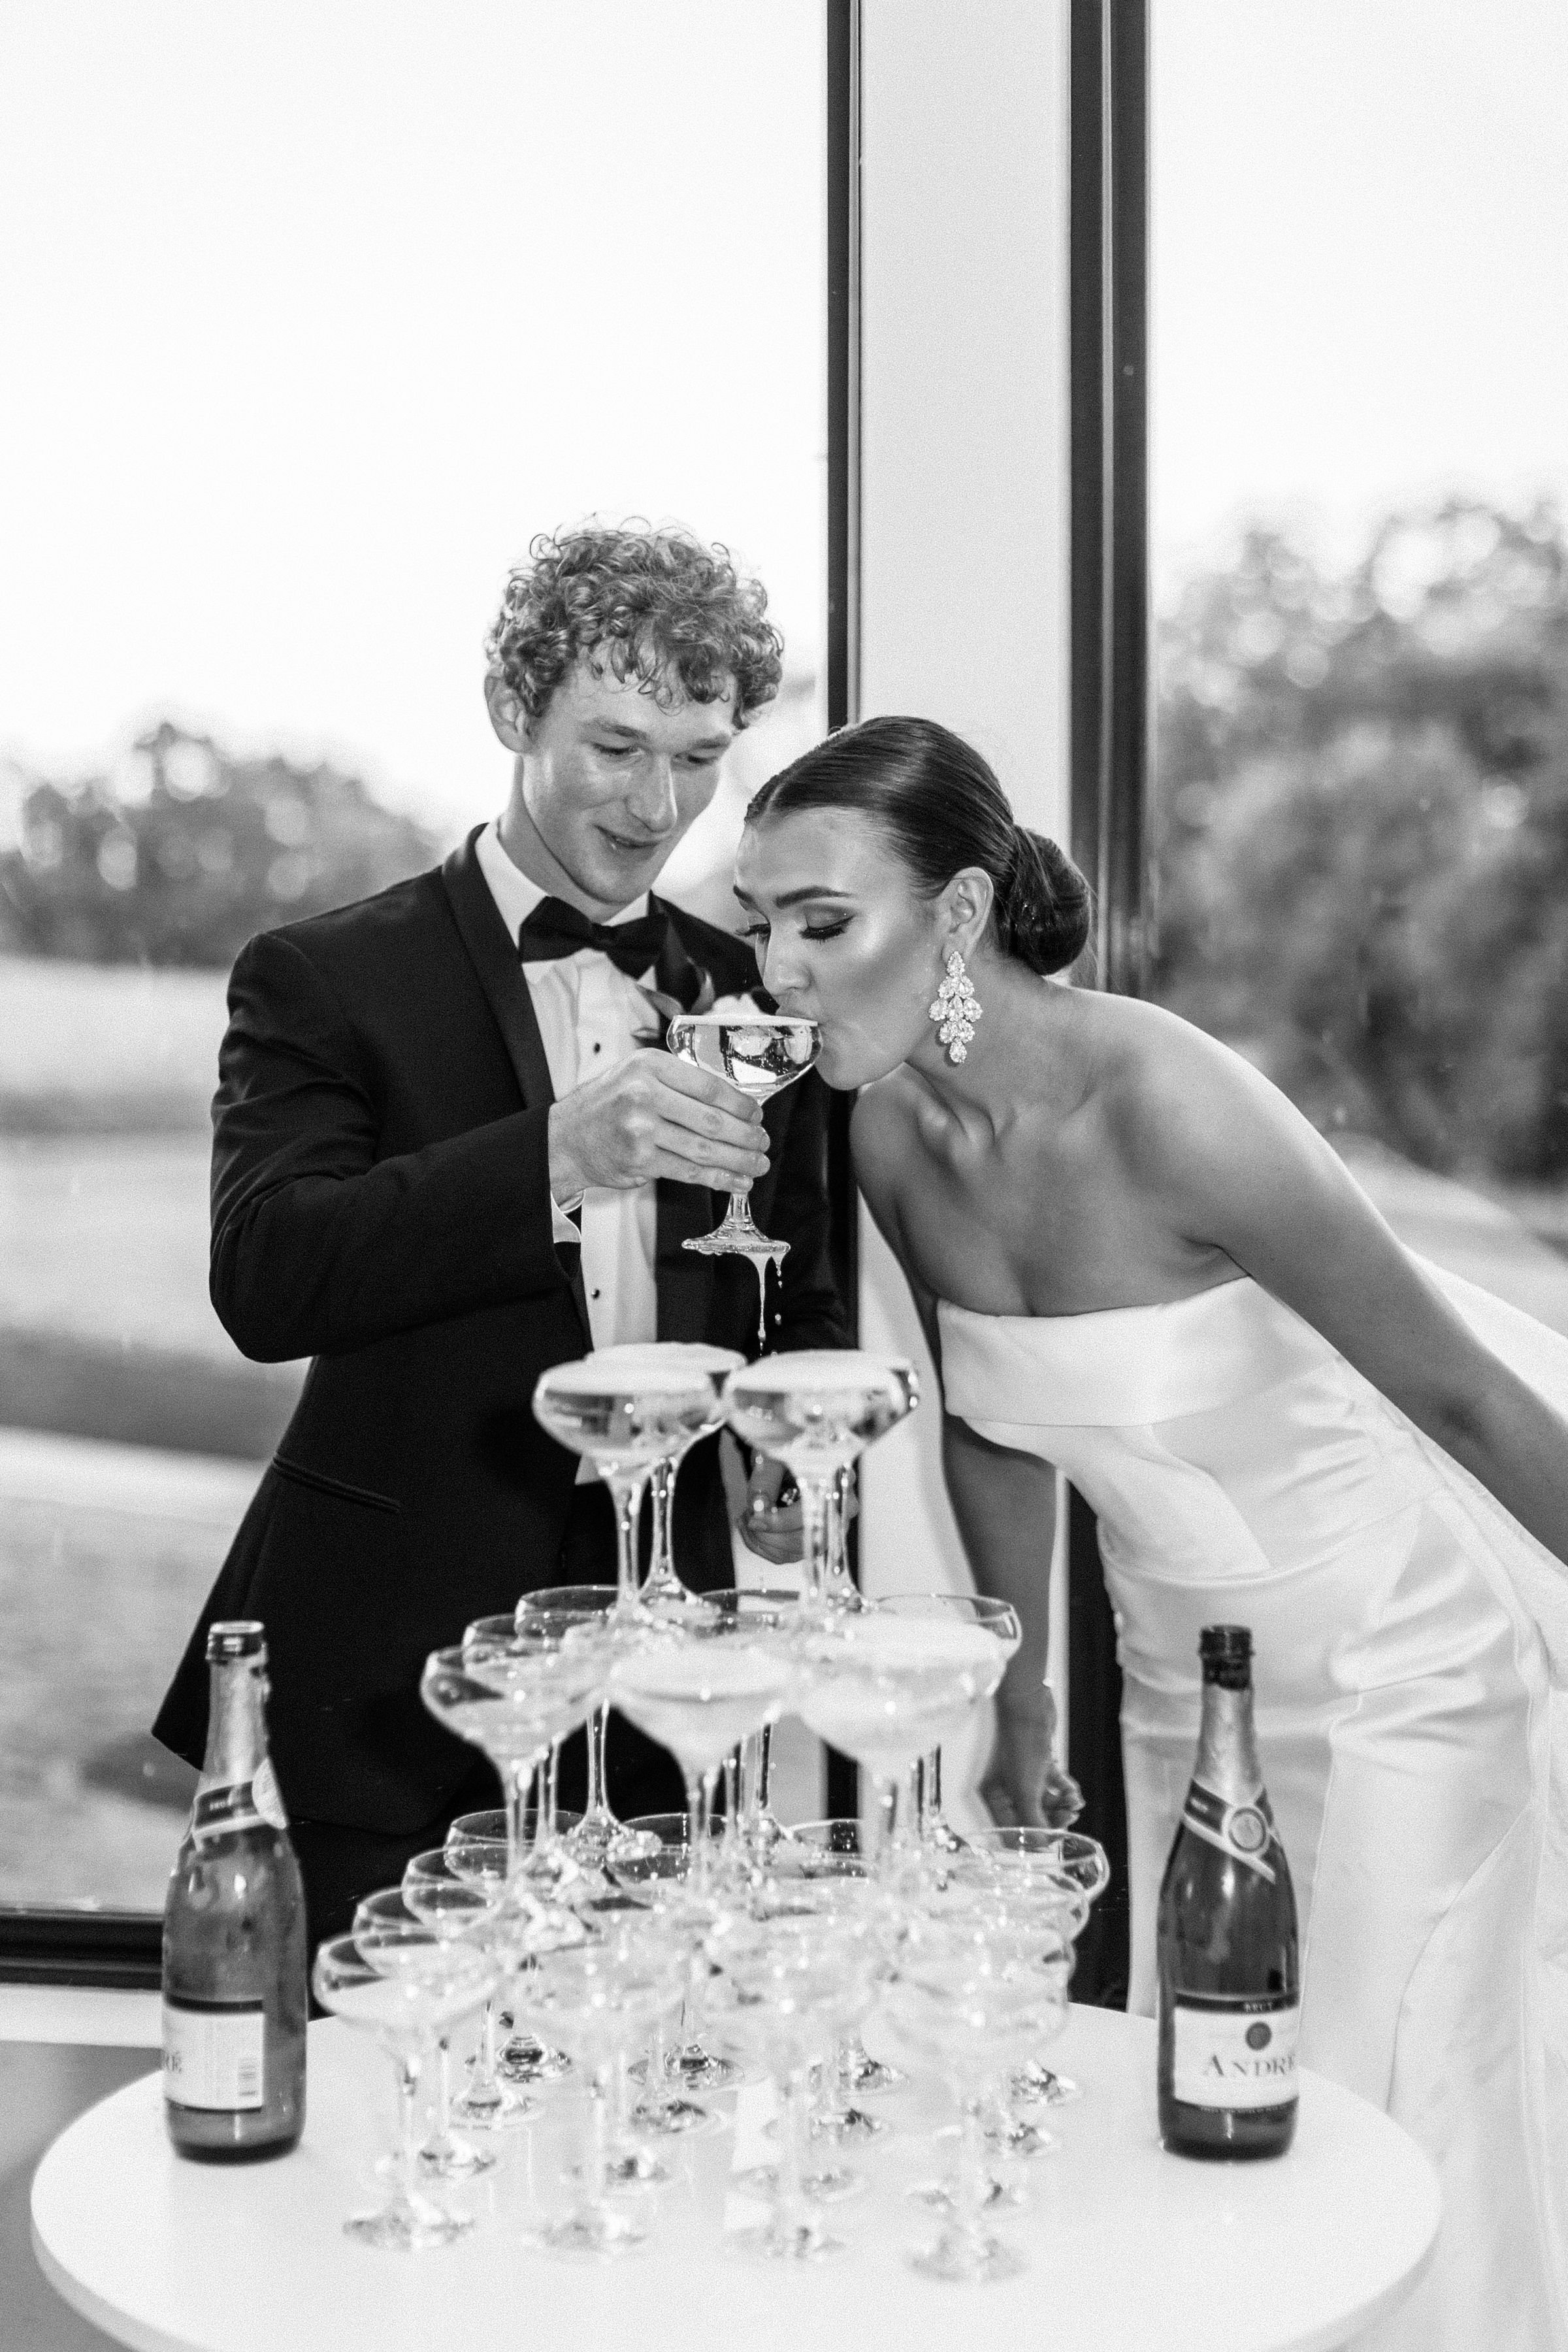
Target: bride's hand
1023 1784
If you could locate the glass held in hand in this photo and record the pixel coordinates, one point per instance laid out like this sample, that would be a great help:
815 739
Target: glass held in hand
760 1053
815 1409
627 1412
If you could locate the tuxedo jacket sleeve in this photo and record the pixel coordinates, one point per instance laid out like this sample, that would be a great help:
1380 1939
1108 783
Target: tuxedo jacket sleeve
318 1243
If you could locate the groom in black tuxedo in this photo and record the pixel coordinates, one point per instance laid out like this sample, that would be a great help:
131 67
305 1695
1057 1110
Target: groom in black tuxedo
449 1151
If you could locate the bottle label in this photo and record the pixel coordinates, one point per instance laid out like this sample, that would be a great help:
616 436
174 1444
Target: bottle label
242 1805
214 2054
1239 2055
1243 1831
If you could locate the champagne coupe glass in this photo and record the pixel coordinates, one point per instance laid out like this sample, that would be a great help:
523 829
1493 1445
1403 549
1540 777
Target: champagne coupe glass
408 1987
662 1587
839 1588
1079 1868
831 1846
796 1970
596 1999
513 1695
969 1997
816 1410
965 1608
597 1834
761 1052
886 1688
625 1412
659 1878
476 1850
432 1892
699 1692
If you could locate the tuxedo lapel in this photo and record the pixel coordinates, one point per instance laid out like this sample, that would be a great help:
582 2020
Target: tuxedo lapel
494 955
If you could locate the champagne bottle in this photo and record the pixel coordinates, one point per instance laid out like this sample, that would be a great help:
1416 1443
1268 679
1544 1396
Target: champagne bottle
234 1935
1229 1982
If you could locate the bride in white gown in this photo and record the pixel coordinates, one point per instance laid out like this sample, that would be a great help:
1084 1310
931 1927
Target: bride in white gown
1137 1262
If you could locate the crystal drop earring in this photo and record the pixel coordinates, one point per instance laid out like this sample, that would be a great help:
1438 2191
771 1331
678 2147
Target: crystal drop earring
955 1009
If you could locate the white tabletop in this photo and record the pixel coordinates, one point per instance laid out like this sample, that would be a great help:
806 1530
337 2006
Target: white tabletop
1126 2245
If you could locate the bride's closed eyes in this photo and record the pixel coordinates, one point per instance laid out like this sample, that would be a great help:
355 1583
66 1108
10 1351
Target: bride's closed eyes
807 930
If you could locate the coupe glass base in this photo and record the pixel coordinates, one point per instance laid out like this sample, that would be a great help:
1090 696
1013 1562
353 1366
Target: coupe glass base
829 2187
1038 2085
781 2242
966 2259
458 2160
481 2113
591 2234
408 2227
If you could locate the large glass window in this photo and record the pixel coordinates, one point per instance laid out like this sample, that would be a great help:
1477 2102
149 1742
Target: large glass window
314 318
1361 373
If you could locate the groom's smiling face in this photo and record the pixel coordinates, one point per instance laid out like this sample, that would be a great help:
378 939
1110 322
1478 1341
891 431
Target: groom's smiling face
841 936
609 779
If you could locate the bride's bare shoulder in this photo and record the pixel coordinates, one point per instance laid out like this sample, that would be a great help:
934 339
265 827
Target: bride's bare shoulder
1163 1083
883 1127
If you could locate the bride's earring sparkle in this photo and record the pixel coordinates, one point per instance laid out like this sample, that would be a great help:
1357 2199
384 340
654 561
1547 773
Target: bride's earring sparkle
956 1010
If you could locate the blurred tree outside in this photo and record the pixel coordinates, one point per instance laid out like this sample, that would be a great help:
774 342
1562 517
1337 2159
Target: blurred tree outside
1361 829
182 852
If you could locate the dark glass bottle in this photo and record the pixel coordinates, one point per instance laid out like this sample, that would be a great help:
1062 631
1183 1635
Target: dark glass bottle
1229 1975
234 1935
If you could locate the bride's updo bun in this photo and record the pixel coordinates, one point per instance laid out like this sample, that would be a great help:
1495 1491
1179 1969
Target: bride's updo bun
942 809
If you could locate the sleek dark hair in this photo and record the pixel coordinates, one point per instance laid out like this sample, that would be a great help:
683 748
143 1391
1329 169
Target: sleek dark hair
942 808
656 607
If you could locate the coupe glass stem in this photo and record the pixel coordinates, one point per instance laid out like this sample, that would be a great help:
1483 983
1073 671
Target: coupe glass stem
838 1585
598 1726
626 1494
700 1792
931 1823
518 1781
796 2230
663 1580
816 1562
972 2187
409 2065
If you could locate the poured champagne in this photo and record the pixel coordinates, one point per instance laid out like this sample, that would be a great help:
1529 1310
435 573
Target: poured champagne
1229 1980
234 1935
761 1052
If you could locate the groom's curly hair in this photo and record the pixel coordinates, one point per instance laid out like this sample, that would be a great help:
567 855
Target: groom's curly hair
656 607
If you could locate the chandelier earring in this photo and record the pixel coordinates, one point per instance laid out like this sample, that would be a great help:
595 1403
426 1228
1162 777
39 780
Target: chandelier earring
955 1009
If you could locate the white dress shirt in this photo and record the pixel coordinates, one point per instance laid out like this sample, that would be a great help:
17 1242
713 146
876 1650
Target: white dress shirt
589 1016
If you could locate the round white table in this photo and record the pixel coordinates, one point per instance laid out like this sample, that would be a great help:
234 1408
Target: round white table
1126 2246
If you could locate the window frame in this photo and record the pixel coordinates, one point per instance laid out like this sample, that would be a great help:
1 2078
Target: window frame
1109 734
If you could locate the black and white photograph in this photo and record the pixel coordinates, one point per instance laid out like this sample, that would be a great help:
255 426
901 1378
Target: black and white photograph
784 1175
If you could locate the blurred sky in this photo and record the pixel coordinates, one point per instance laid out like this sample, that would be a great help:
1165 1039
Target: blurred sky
314 312
1361 257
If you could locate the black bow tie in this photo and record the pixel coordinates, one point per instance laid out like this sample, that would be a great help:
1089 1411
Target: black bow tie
554 929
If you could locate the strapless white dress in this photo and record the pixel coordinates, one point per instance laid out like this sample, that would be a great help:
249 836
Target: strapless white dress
1411 1671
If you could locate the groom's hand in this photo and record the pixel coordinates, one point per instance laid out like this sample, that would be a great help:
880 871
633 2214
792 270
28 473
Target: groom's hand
655 1116
1023 1786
